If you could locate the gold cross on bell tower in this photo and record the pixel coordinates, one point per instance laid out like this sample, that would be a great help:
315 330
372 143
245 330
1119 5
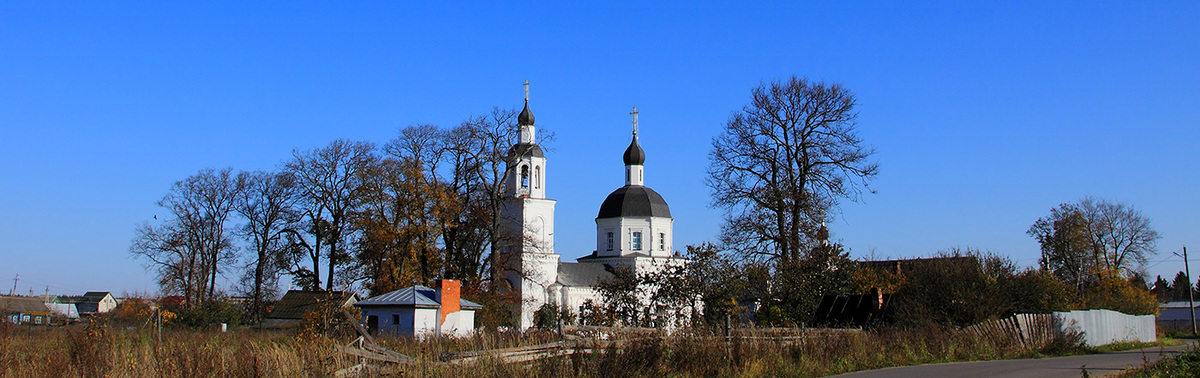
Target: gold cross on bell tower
526 90
634 114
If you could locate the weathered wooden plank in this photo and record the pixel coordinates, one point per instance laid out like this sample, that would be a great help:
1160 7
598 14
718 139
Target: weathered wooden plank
369 354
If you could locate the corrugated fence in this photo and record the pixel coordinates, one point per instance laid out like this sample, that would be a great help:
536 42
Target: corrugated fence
1099 327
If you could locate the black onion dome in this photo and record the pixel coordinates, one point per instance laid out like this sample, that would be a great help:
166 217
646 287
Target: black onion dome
634 154
525 149
634 201
526 116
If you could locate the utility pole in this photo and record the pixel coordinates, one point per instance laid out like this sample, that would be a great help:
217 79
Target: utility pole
1191 292
14 289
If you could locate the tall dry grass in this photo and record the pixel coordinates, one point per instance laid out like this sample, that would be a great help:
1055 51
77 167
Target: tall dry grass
97 350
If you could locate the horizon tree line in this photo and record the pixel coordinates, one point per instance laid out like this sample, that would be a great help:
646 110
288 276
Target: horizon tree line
422 207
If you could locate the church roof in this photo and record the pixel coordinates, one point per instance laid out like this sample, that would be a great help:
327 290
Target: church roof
582 274
634 155
526 116
634 201
525 149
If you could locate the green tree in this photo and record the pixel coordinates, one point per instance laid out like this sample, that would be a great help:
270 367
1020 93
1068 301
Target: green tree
621 296
957 287
1035 291
1180 287
801 284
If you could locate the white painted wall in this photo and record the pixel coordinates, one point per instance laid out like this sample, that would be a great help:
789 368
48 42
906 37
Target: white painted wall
425 322
459 323
1102 327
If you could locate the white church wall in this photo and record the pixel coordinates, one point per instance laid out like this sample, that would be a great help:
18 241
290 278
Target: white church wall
540 272
572 297
653 229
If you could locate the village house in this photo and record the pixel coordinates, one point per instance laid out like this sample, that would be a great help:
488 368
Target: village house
24 310
90 303
290 310
1176 314
419 311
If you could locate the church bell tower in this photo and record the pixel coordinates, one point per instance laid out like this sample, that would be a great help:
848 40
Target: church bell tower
527 243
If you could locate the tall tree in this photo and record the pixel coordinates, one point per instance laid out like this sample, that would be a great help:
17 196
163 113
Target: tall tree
192 245
1180 286
785 160
330 184
1084 242
1067 248
399 222
266 201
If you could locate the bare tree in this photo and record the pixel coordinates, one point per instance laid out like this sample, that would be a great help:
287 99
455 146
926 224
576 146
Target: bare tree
266 201
167 249
329 179
783 162
192 246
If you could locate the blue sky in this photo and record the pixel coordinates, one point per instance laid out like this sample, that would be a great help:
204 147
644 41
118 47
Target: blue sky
985 114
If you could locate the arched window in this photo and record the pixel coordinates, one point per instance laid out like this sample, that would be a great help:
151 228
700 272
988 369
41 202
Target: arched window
524 176
537 177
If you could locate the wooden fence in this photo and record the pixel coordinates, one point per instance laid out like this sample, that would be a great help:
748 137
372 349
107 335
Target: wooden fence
1032 331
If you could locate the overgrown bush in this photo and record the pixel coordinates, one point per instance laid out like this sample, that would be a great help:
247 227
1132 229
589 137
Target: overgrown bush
1117 294
210 313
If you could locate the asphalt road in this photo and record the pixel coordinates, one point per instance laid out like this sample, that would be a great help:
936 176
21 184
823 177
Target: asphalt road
1073 366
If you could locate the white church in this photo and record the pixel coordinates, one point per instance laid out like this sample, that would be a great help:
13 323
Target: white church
633 229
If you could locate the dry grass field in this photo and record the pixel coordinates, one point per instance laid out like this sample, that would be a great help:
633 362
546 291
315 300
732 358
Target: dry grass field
99 350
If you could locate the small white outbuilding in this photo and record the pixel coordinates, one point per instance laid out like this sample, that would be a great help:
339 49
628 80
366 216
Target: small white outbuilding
420 311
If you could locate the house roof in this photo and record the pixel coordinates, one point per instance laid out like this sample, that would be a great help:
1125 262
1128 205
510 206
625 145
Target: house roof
95 296
296 303
22 305
416 296
582 274
1177 304
91 297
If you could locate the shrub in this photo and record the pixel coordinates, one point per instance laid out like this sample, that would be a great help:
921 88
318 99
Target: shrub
209 313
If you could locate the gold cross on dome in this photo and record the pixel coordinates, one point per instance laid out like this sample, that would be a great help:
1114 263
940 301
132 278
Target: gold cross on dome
526 90
634 114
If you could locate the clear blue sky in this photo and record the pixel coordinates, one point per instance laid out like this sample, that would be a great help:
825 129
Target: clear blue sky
985 114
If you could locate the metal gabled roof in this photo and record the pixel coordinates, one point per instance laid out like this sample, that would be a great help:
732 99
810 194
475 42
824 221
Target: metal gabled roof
417 296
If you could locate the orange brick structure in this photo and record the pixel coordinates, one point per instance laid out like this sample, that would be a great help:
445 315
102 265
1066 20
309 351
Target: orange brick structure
450 293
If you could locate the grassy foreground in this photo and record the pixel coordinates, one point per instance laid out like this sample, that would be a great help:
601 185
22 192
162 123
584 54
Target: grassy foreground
106 351
1184 365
